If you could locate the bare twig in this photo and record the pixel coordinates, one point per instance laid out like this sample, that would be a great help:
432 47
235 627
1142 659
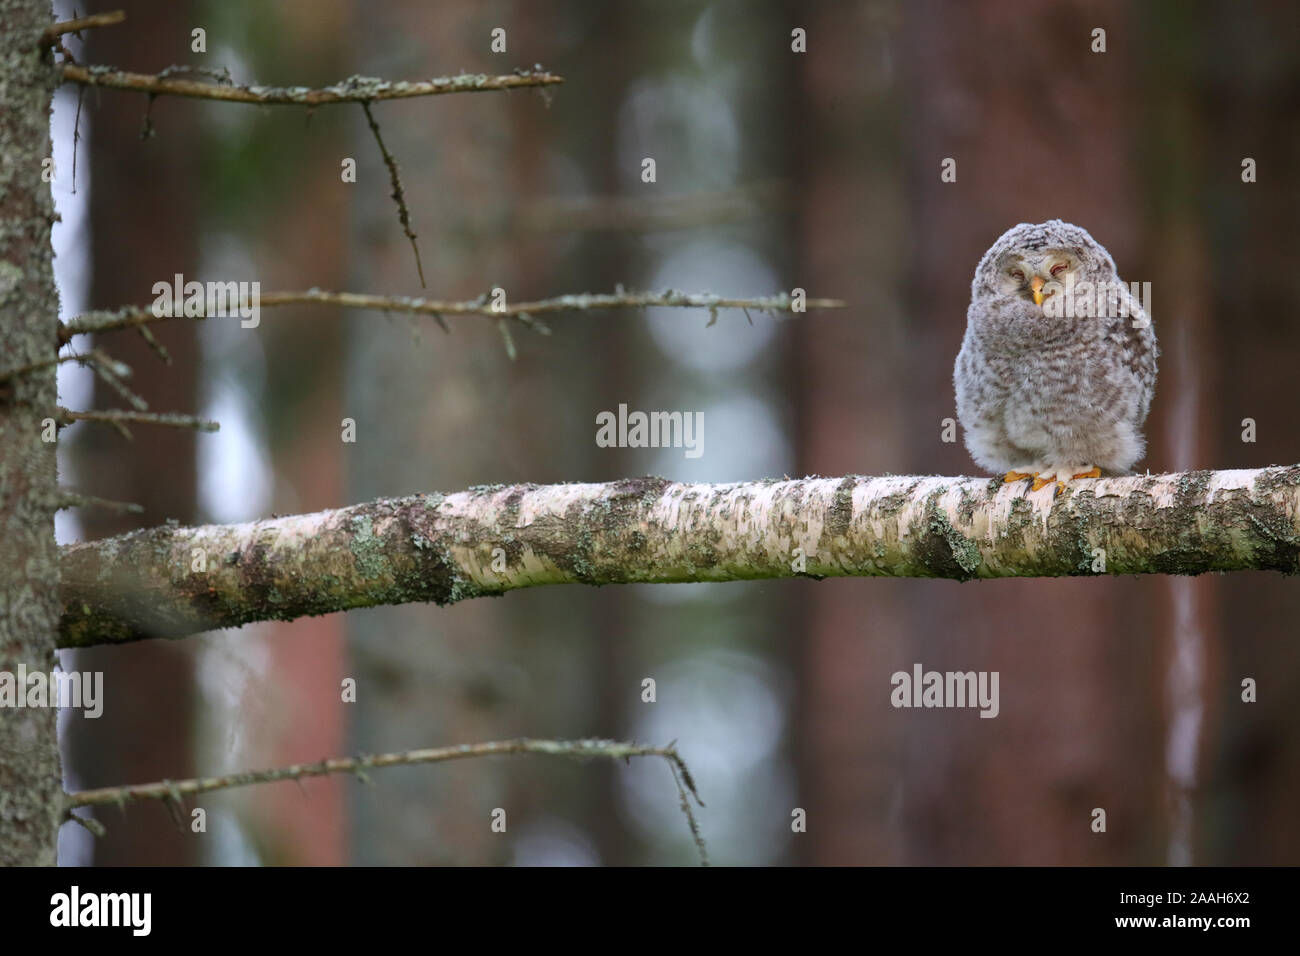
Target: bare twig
581 302
189 70
399 197
76 137
55 30
133 315
93 357
74 499
43 363
173 791
115 416
159 349
684 786
355 89
96 828
109 373
507 339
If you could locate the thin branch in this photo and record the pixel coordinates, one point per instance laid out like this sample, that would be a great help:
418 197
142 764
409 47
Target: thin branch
190 70
399 197
174 791
76 137
355 89
685 784
56 30
159 349
74 499
581 302
104 362
171 789
135 315
110 374
448 548
507 339
43 363
114 416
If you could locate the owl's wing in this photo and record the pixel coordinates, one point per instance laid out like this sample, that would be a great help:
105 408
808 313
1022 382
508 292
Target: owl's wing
1135 338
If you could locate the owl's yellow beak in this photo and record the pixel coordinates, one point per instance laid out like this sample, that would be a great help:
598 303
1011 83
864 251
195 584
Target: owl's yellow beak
1036 287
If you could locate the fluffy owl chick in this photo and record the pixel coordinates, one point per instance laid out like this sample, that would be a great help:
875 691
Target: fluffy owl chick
1058 364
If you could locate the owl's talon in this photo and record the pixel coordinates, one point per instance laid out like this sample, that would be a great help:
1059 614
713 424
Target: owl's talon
1044 482
1018 476
1059 476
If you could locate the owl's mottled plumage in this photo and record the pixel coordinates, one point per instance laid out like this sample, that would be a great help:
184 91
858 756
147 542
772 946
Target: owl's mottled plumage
1052 396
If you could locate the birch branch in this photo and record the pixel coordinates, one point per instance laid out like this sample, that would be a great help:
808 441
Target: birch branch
173 581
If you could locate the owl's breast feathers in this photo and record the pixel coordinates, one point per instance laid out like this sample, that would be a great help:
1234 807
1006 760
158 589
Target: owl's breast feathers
1099 363
1067 392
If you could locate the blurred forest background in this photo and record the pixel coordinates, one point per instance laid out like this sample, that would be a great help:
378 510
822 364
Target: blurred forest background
775 170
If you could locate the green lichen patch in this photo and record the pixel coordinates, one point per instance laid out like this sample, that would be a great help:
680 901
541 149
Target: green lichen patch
1191 487
367 549
941 549
1280 548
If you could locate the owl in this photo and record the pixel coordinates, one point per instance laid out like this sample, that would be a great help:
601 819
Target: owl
1058 364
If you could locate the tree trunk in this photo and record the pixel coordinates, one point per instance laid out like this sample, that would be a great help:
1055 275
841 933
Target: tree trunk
30 783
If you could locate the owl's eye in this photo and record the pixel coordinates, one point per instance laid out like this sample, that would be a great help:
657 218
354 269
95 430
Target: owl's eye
1059 268
1017 275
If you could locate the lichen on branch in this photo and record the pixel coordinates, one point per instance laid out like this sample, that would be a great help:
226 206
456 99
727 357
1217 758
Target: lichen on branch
173 581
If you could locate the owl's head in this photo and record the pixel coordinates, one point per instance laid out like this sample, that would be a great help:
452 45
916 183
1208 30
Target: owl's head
1030 261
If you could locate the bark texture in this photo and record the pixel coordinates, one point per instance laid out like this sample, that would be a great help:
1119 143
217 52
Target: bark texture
30 785
172 581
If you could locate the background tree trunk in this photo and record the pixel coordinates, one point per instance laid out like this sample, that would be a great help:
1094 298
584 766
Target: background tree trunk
1013 93
851 418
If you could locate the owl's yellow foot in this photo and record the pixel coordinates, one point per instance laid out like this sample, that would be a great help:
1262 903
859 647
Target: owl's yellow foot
1044 482
1018 476
1059 477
